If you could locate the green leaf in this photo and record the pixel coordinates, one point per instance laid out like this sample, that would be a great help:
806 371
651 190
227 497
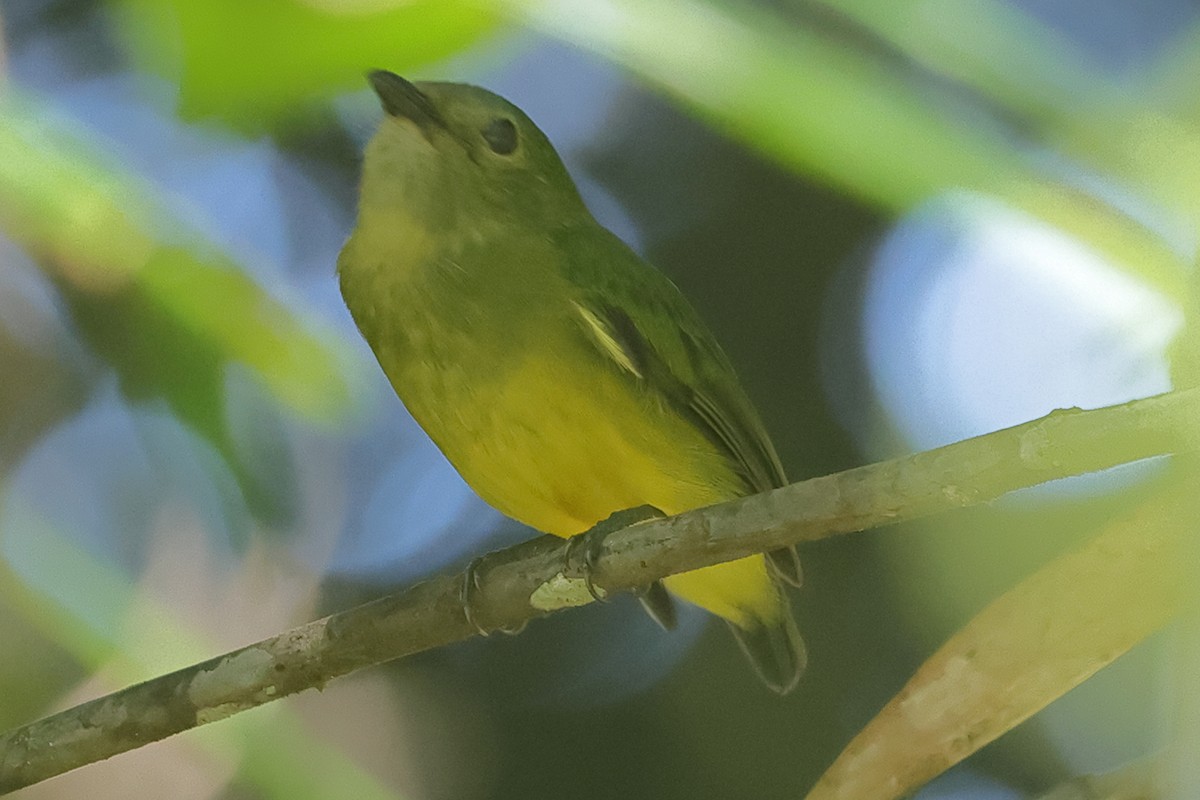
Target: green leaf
860 122
251 62
168 318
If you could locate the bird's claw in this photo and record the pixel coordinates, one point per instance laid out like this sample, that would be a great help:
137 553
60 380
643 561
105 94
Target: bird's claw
654 597
591 551
470 585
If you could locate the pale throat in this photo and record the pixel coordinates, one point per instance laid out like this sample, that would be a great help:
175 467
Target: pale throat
395 237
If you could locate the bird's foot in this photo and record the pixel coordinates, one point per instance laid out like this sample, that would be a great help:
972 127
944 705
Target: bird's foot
654 598
466 596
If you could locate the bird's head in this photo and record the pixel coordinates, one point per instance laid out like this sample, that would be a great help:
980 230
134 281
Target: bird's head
457 157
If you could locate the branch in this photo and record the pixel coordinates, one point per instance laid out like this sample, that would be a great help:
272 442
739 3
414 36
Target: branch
534 578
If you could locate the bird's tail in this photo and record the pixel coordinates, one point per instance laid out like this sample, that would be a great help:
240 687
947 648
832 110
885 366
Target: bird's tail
748 595
775 648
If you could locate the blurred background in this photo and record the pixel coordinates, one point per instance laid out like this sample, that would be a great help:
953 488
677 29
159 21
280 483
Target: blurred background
908 221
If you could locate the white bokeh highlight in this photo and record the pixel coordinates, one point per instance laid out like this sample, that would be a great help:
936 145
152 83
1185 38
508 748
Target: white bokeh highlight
978 316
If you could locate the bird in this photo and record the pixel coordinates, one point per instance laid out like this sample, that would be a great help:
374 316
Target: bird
564 377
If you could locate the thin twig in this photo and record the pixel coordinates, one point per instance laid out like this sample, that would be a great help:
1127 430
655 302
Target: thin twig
533 578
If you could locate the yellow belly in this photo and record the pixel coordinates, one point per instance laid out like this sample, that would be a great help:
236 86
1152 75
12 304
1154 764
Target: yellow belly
560 449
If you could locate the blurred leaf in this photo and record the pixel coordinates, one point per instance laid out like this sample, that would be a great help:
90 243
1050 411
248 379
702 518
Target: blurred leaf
37 670
1172 81
52 386
156 352
1140 128
993 47
106 622
799 96
1137 781
871 126
168 318
61 590
253 61
1026 649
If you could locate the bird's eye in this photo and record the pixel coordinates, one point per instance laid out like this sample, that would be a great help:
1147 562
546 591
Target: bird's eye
501 136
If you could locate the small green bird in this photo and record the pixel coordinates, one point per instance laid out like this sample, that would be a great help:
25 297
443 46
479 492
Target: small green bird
562 376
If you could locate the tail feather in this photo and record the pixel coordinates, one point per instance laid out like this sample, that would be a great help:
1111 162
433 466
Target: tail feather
775 649
785 565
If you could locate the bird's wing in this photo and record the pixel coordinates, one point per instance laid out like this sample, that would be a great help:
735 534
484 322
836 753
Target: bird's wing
686 370
639 321
642 325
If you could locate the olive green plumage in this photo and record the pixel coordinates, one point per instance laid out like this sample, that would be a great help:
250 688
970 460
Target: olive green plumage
564 377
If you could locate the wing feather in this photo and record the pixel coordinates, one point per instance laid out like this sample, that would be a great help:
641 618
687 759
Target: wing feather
653 335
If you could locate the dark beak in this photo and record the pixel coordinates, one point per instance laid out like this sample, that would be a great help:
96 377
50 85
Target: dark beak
400 98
